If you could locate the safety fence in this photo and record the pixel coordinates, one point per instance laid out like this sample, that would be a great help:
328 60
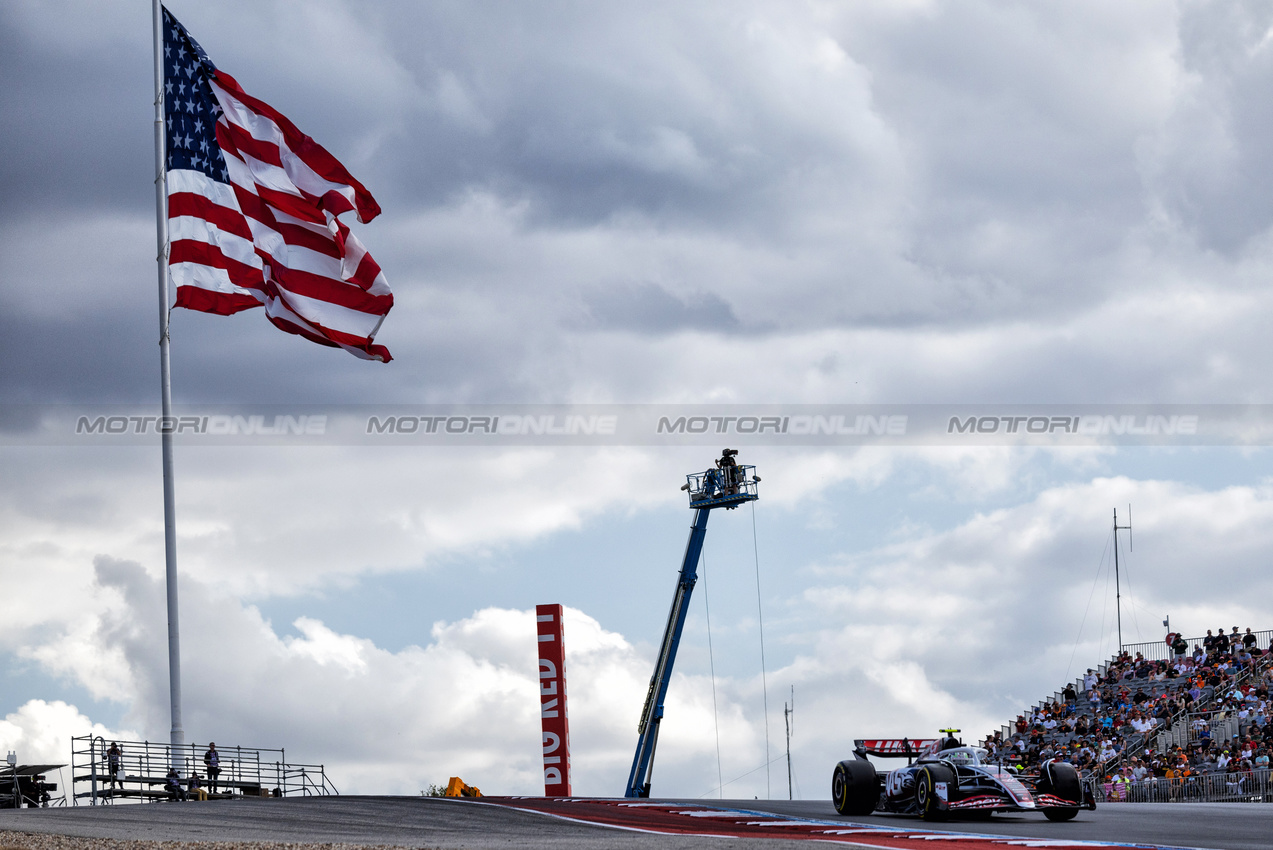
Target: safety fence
1160 651
1247 786
141 772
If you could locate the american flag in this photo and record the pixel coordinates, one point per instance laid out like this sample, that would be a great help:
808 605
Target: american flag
252 211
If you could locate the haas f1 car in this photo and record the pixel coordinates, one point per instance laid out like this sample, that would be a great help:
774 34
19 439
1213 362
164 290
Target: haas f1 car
944 778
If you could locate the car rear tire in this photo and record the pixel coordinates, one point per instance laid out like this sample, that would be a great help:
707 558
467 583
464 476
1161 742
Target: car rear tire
855 787
1060 779
926 799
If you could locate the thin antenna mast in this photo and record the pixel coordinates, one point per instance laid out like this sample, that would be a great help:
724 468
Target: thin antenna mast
787 712
1118 593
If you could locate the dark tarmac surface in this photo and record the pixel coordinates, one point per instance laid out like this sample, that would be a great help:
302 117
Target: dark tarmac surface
441 823
1214 826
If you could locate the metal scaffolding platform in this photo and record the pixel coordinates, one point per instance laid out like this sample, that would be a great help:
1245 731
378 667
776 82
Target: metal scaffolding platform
245 772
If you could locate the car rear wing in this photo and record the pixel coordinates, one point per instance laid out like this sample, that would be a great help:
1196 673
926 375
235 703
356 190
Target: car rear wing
894 747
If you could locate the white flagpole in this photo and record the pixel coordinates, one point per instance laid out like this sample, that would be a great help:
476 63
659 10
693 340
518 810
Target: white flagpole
178 736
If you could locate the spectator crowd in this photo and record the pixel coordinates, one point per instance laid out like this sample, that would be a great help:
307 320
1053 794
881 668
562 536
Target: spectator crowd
1108 725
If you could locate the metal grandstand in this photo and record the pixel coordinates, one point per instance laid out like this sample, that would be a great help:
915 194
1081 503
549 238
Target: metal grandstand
1179 732
245 772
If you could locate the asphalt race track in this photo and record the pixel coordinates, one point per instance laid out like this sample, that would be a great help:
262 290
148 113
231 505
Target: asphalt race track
622 824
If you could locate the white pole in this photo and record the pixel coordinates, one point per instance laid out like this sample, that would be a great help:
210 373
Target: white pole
178 736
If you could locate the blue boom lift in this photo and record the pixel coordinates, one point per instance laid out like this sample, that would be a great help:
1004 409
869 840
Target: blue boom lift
727 486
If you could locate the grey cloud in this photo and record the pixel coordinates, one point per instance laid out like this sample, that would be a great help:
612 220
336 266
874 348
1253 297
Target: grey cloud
79 120
649 308
1214 160
965 171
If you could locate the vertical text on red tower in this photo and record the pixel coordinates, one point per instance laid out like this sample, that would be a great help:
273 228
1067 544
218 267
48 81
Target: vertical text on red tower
554 720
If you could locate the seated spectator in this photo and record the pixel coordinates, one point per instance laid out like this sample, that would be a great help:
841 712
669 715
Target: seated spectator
172 784
1142 724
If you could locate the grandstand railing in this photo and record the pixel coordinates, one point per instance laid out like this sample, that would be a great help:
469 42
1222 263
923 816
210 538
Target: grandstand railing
1222 726
245 771
1160 651
1250 786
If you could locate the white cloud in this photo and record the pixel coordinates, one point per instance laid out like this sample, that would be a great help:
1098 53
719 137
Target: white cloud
40 732
964 625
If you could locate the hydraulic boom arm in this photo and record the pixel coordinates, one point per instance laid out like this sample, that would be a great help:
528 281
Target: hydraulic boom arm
652 713
727 486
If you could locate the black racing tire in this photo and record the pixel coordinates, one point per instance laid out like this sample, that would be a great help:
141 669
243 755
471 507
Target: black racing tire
1060 779
855 787
926 799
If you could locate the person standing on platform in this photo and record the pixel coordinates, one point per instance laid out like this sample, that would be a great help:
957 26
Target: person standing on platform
114 763
212 761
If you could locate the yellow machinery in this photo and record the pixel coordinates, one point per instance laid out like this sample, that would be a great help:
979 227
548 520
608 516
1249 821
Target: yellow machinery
457 788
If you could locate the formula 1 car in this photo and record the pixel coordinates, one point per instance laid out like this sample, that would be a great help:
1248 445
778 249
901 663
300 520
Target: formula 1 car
942 777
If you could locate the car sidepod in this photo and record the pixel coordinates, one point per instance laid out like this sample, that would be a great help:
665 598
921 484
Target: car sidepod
899 791
987 789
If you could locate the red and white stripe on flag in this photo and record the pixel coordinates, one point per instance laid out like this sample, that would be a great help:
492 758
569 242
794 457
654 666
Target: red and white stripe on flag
253 206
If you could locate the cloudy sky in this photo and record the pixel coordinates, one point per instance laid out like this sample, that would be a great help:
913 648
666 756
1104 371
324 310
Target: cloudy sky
858 203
